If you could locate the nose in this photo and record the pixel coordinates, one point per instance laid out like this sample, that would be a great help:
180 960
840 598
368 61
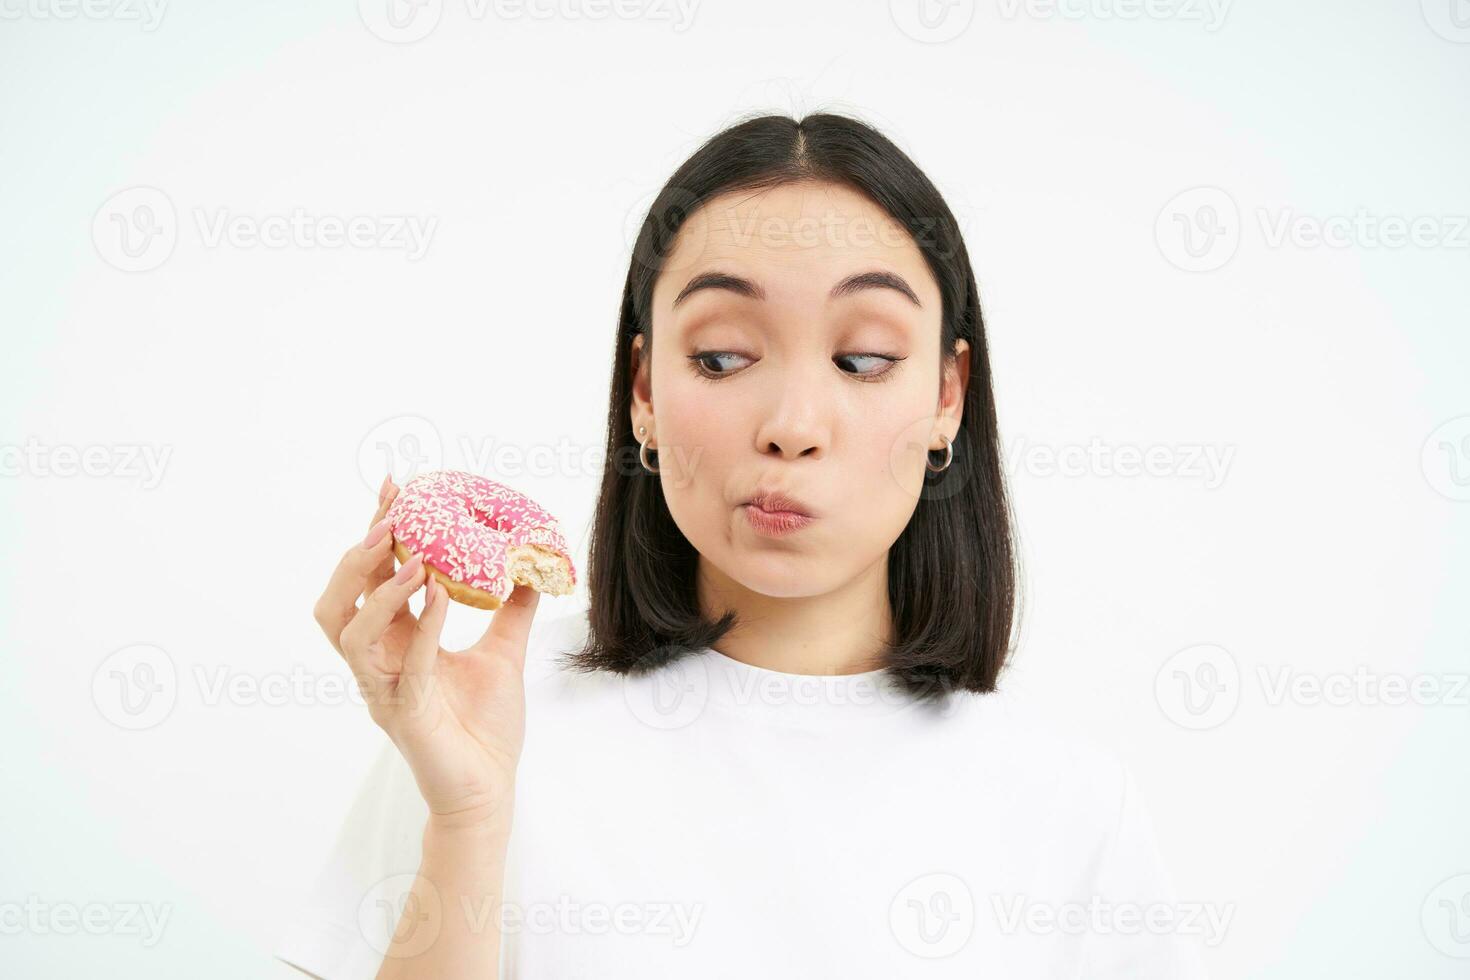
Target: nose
797 423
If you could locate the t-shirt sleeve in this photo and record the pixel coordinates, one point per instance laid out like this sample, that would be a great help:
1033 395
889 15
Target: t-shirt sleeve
343 929
1139 929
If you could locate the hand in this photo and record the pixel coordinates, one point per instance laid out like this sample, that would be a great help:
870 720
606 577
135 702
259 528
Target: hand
457 717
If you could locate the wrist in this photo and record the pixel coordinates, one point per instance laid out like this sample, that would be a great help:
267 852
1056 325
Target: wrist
465 854
477 822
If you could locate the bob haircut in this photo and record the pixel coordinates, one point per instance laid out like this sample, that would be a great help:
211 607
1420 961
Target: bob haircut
951 573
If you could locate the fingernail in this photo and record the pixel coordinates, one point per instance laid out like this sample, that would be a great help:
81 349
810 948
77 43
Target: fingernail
375 533
383 487
409 569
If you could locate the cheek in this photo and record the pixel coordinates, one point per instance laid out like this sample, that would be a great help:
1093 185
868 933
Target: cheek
882 477
889 436
695 439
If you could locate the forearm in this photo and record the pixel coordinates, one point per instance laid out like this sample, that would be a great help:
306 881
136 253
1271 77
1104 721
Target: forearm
450 925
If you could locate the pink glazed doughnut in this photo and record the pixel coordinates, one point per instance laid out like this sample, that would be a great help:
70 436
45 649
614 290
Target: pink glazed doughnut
479 538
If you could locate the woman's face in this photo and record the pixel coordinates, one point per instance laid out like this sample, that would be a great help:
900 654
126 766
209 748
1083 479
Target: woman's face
774 369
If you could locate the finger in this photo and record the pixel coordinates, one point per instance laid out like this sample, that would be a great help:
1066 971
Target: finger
510 625
337 604
423 645
379 609
383 489
383 571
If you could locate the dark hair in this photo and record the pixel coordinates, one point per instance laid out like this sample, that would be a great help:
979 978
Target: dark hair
951 573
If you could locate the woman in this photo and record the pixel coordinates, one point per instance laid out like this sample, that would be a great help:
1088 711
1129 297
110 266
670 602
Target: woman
770 747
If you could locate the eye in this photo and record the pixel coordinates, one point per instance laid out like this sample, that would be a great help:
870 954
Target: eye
702 362
884 364
870 367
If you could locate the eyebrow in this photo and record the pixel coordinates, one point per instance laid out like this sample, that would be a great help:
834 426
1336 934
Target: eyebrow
856 283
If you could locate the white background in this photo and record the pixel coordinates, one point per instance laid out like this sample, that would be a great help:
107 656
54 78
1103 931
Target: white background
1330 379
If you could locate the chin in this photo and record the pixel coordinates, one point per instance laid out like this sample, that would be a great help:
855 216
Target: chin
782 576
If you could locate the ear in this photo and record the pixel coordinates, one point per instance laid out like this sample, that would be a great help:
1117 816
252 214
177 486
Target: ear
953 383
641 409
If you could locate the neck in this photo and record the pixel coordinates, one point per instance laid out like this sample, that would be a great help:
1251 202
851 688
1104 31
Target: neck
838 632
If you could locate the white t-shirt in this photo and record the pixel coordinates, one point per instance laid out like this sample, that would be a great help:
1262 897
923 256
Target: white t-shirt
716 819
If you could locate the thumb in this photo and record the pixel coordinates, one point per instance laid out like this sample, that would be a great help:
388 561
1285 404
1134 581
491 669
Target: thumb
510 625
